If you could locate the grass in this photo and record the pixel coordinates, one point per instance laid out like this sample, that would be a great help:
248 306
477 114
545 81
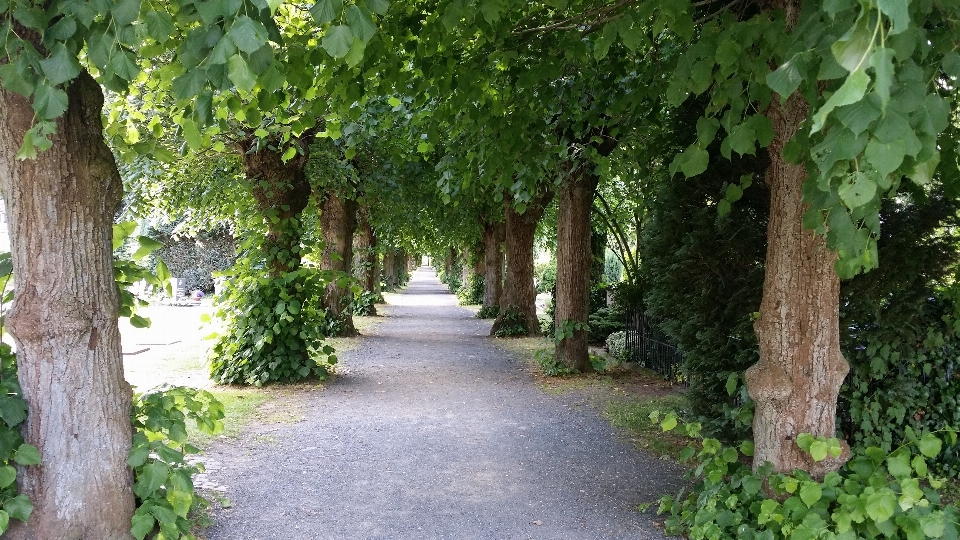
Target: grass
633 416
240 406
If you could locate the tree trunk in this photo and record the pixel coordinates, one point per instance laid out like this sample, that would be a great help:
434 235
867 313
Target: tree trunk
60 208
338 216
519 296
493 236
282 190
574 260
796 382
390 269
365 256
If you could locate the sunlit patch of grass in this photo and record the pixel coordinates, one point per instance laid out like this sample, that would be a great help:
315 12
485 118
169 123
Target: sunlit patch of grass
240 406
633 416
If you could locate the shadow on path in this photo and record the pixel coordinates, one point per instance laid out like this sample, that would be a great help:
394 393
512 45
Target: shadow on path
430 431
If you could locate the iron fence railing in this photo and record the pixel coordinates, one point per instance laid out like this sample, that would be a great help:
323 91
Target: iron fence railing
651 348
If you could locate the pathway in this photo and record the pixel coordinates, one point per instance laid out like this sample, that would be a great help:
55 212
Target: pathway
431 432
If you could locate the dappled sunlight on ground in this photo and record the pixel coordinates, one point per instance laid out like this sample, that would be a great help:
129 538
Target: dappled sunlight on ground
421 291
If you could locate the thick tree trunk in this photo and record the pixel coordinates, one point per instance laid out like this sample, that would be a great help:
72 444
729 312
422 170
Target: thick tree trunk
796 382
519 296
338 216
574 260
280 189
390 269
365 256
493 237
60 208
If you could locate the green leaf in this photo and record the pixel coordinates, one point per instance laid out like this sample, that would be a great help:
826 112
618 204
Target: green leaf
60 66
13 410
742 139
4 521
337 40
693 161
247 34
951 64
885 157
180 501
63 30
852 50
857 190
325 11
923 172
491 10
929 445
810 493
240 73
159 25
19 507
361 22
707 130
819 450
669 422
732 381
899 465
191 133
222 51
147 246
162 272
380 7
898 12
137 321
8 475
150 478
353 58
143 523
122 231
850 92
882 62
881 505
733 194
27 454
190 83
125 11
787 78
49 102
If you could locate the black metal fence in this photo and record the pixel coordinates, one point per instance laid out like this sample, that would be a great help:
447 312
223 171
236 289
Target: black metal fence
648 346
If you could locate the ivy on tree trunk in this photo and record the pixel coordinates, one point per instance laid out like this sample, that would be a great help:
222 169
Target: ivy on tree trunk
338 217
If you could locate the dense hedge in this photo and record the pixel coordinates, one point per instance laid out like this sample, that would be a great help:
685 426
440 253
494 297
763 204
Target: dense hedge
195 259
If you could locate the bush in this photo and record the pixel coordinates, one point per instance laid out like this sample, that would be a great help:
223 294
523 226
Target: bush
612 268
604 322
876 494
513 323
274 329
488 312
617 345
471 292
195 259
363 303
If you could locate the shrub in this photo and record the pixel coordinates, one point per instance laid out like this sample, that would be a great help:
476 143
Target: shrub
471 292
604 322
513 323
876 494
617 345
488 312
364 304
274 329
195 259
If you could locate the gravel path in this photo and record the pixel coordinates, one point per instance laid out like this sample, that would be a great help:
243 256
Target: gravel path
430 431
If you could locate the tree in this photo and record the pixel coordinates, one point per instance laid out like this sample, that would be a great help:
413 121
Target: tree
51 110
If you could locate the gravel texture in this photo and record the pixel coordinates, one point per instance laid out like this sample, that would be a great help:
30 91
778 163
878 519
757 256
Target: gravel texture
430 431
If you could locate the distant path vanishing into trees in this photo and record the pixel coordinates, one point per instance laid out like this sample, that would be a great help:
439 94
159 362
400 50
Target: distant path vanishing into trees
430 431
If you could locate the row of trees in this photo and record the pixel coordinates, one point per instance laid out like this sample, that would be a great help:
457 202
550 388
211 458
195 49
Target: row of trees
438 124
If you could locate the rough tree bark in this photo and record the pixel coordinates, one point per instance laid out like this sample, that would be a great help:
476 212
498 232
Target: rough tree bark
390 269
338 219
574 259
60 208
519 296
493 236
796 382
365 256
282 190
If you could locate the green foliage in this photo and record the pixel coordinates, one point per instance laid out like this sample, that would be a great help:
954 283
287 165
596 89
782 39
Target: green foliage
488 312
364 303
195 258
273 329
13 412
549 365
128 272
703 276
877 494
513 323
471 292
617 345
546 277
166 496
604 322
612 268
